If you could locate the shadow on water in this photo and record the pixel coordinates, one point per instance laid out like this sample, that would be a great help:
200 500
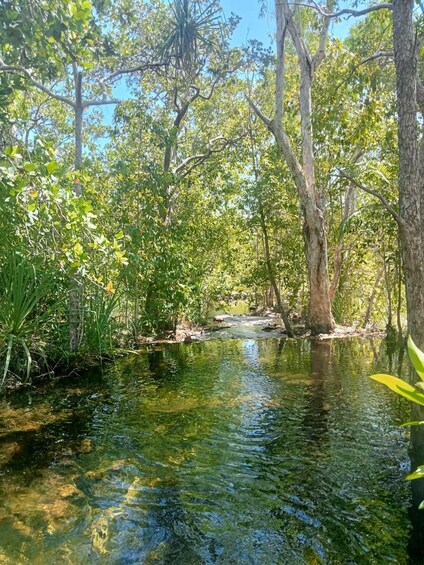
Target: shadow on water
241 451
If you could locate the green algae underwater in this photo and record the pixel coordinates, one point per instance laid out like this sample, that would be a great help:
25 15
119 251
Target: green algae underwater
234 451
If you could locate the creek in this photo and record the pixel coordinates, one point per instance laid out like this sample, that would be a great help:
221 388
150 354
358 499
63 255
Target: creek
241 451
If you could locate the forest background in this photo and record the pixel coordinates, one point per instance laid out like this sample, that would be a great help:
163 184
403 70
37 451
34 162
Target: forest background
156 162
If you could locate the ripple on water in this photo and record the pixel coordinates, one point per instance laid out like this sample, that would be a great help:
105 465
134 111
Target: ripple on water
251 451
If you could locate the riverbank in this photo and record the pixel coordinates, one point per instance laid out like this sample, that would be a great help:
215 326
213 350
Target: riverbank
219 327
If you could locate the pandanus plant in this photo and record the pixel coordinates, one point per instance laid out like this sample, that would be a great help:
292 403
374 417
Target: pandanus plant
22 290
190 29
414 392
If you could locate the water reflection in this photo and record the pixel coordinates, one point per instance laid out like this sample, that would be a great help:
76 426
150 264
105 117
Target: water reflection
254 451
317 408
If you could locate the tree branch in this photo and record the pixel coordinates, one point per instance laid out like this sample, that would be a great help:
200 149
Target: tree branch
89 103
199 158
280 38
300 46
267 121
392 212
21 70
346 11
129 70
319 56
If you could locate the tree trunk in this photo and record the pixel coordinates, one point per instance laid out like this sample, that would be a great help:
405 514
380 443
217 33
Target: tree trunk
410 184
372 297
75 297
271 275
320 318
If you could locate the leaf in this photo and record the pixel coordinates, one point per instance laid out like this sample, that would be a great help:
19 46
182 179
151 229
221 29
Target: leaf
51 167
78 249
417 474
87 65
406 424
417 357
119 235
86 5
421 506
400 387
11 151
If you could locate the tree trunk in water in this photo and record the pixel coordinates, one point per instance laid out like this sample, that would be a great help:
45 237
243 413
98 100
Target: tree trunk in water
410 196
320 318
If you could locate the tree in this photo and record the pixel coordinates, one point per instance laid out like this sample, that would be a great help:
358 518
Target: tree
320 319
78 24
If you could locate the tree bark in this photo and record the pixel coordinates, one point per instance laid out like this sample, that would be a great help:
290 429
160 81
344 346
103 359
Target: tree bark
75 297
320 319
410 183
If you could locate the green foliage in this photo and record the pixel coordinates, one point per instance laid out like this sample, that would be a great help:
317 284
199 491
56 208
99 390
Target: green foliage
175 202
414 393
191 32
24 310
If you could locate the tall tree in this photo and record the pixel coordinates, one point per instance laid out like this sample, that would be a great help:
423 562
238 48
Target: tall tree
320 319
64 29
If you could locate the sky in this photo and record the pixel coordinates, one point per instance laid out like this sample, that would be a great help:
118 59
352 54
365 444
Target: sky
251 26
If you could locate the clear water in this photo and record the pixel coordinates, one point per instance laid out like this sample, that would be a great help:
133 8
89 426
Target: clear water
228 452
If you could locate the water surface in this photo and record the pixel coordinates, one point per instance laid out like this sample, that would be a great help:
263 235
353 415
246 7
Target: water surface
228 452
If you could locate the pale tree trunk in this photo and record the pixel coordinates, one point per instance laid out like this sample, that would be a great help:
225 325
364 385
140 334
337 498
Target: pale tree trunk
389 325
75 290
320 319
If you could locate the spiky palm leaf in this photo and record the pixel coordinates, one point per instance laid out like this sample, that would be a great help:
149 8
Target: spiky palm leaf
191 28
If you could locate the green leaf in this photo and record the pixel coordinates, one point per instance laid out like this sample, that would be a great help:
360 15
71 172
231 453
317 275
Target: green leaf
400 387
51 167
11 151
406 424
78 249
417 357
86 5
87 65
119 235
421 506
417 474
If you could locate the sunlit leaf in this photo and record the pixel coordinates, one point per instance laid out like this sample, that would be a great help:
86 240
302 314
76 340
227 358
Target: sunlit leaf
417 357
51 167
417 474
406 424
400 387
